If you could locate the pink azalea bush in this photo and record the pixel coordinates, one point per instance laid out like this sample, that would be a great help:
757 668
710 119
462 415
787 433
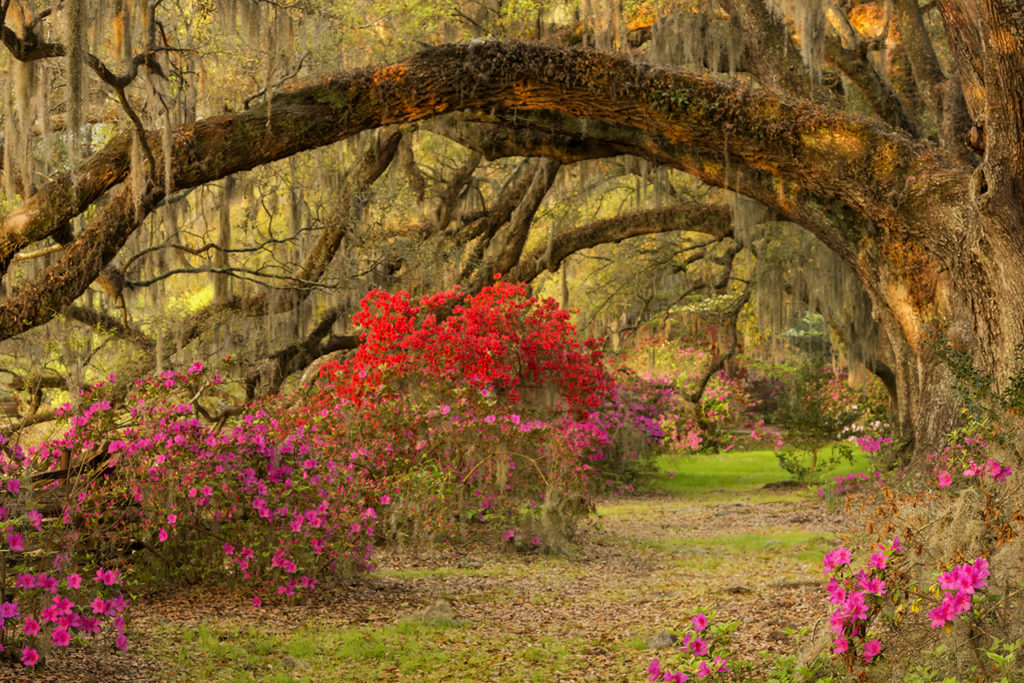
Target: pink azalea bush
859 598
703 653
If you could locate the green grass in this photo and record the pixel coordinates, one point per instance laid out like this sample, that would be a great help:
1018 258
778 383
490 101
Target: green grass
799 545
689 475
410 648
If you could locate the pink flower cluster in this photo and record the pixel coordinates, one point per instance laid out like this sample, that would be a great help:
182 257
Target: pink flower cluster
959 585
46 613
853 595
991 468
706 665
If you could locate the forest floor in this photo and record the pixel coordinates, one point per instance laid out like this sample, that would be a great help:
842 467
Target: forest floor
643 565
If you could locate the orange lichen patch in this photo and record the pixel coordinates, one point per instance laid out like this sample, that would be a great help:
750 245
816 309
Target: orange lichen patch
828 139
869 19
915 273
392 72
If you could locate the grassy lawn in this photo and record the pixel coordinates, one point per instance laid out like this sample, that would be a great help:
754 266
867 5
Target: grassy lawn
696 475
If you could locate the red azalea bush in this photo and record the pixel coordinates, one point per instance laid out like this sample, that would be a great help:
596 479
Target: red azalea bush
500 340
486 405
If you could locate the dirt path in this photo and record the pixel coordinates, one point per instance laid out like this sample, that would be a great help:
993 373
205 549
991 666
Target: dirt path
645 565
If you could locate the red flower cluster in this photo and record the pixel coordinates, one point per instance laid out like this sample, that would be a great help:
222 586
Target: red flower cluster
500 339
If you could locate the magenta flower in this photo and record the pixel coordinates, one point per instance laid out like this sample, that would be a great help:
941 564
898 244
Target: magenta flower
121 642
871 649
509 535
699 647
60 637
36 518
703 671
74 581
31 626
700 622
972 470
839 645
836 620
9 610
945 479
961 602
654 669
877 560
943 613
29 656
15 541
162 535
13 485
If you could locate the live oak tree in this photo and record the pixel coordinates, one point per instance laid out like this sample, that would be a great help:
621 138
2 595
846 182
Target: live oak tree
921 199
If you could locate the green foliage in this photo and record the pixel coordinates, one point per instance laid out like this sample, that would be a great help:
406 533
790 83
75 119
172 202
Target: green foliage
987 412
819 409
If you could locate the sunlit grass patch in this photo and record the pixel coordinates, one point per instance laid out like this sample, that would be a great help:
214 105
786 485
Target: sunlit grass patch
801 546
692 474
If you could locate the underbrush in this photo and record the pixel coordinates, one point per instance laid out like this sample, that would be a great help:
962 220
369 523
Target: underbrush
939 583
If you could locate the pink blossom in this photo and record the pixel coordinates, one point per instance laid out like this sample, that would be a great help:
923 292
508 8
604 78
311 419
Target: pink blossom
839 645
29 656
877 560
945 479
871 649
700 622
